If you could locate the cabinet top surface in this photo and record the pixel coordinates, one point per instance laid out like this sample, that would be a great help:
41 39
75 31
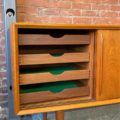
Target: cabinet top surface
66 26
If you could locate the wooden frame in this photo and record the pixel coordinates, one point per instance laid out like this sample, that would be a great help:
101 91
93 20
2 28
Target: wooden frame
87 101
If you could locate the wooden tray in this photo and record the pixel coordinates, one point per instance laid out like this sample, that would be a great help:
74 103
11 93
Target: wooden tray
34 59
46 39
36 97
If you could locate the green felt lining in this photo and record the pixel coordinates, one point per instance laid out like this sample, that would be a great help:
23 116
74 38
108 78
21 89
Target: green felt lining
53 87
56 70
57 54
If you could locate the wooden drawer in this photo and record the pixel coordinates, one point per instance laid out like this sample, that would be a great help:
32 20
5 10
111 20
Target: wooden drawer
34 78
53 39
37 59
70 90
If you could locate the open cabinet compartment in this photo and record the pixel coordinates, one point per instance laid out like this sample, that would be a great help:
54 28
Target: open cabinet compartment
54 66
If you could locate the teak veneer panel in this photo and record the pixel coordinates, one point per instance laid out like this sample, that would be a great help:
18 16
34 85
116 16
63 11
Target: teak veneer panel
32 59
15 67
69 106
108 65
68 26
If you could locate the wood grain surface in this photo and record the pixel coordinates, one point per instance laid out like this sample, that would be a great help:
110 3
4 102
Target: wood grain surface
108 65
49 96
34 59
33 78
40 39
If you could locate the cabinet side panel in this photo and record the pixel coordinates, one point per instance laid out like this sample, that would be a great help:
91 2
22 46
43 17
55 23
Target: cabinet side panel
107 64
15 67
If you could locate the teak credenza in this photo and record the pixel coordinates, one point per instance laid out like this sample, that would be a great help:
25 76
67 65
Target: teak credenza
59 67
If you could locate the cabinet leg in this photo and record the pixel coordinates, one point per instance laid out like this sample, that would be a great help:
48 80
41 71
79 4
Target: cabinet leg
44 116
59 115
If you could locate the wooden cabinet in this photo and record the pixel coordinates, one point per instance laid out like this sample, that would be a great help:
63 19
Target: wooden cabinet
60 67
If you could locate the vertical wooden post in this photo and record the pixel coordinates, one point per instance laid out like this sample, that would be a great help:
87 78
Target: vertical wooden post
59 115
44 116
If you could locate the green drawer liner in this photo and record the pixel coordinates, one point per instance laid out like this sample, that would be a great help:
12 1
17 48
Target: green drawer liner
53 70
57 54
53 87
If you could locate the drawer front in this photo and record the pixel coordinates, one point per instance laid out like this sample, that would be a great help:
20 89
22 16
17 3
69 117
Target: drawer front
34 78
50 96
39 39
38 59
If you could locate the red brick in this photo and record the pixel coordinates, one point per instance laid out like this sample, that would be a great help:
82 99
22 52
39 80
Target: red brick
20 2
60 4
1 8
80 20
81 6
40 3
51 11
1 1
2 58
56 19
20 9
37 19
30 10
20 17
90 13
81 1
2 74
96 1
1 51
3 104
3 90
109 14
115 21
4 82
70 12
115 7
2 42
3 67
1 26
27 9
101 7
2 33
63 0
3 97
110 1
105 1
101 21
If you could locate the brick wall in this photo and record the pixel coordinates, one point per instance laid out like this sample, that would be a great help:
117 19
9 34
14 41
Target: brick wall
69 11
3 91
56 11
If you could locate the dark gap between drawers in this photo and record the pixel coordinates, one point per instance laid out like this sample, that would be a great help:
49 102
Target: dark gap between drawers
39 49
51 31
44 68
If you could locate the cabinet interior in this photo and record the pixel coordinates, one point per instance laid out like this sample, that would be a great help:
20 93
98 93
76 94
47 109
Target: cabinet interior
55 66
